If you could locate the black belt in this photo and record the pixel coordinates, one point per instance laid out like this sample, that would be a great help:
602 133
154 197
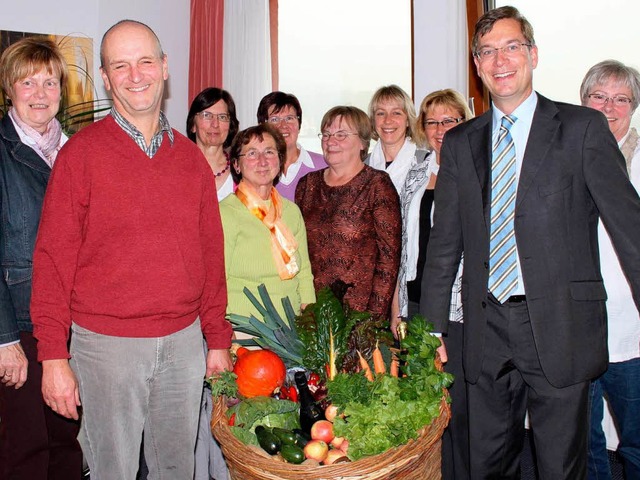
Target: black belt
516 299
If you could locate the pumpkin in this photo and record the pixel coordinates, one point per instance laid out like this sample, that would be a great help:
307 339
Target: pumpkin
260 372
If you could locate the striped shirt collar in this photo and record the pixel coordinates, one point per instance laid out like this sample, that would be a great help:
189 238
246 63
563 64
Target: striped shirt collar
137 137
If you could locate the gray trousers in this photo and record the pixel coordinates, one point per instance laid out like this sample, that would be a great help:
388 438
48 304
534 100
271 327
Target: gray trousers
133 385
209 460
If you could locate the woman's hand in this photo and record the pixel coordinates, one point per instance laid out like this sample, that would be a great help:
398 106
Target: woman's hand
395 313
13 365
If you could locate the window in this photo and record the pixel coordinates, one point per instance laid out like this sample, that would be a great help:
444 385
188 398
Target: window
338 52
573 36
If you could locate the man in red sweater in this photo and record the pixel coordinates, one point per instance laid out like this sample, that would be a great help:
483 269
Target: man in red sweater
129 258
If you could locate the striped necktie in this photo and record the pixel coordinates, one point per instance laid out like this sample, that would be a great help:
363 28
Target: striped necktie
503 274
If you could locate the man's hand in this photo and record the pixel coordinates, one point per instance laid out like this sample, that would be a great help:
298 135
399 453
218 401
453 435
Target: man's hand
60 388
442 350
13 365
218 361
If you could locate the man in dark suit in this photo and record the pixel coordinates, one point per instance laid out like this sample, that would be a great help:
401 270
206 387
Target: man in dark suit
520 191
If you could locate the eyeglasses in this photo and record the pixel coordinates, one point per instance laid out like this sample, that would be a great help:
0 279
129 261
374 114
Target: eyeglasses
618 100
446 123
340 135
208 116
288 119
269 154
510 50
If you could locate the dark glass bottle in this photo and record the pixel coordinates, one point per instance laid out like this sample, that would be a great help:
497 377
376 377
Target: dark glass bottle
310 411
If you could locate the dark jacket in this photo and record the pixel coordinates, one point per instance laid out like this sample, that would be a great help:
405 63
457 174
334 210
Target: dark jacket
572 175
23 180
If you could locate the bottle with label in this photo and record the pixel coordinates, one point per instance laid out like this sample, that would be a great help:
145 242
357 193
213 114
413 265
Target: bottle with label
310 411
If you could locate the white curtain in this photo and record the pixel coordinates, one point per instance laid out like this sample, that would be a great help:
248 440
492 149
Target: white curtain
247 56
441 48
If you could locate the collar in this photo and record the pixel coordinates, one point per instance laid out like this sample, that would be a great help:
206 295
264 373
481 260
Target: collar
135 134
304 157
524 112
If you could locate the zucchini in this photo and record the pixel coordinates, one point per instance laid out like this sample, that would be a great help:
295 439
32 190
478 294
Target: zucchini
267 440
302 437
292 454
287 437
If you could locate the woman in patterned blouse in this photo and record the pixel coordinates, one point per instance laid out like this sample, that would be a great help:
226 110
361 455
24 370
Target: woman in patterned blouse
352 214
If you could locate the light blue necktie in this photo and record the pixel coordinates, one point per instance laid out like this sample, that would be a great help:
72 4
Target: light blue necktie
503 274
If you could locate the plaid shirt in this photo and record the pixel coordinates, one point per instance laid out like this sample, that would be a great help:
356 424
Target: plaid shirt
137 137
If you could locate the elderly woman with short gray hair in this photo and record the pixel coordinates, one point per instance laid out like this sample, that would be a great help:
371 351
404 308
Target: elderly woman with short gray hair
614 89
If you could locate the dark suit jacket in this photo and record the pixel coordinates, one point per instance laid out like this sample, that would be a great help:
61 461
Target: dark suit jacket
572 174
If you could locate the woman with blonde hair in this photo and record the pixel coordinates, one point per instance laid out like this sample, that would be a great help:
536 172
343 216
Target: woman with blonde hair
393 116
440 111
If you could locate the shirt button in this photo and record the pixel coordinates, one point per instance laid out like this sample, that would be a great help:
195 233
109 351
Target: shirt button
484 304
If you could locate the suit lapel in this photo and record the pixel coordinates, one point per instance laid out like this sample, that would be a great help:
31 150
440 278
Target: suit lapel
480 144
542 134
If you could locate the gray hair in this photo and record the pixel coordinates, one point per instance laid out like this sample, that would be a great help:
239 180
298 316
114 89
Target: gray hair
607 70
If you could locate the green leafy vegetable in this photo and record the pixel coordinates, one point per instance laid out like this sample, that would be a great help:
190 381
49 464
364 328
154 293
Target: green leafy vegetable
266 411
324 328
273 332
391 410
224 384
256 410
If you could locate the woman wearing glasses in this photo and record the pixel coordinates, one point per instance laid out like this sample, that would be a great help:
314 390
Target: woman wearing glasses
392 118
352 213
212 124
614 89
283 111
439 112
265 240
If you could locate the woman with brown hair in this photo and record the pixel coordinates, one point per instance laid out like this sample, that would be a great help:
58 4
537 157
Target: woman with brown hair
352 213
35 442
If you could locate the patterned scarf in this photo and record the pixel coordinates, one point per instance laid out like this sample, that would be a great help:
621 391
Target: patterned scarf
283 243
48 142
629 146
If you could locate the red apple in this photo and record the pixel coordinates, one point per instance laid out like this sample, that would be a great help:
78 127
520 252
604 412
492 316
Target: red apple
322 430
333 456
316 450
331 412
337 442
345 446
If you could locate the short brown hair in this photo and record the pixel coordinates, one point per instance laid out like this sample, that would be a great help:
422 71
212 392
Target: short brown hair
487 21
447 98
27 56
356 118
259 131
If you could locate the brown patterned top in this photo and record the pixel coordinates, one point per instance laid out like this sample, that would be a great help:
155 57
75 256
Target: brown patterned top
354 234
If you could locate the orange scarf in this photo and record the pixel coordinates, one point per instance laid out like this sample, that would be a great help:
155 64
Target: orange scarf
283 243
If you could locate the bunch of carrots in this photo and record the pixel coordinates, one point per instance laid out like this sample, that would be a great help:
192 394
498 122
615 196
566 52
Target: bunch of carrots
379 366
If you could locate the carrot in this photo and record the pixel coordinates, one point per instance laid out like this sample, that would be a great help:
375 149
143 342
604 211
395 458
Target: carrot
365 367
395 366
378 361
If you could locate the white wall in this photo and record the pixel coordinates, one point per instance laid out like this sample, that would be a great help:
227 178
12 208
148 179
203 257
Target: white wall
91 18
440 47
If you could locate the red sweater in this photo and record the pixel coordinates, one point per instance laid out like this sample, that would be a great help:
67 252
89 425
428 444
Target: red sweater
128 246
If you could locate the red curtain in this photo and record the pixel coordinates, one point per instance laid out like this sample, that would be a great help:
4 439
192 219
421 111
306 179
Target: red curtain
205 52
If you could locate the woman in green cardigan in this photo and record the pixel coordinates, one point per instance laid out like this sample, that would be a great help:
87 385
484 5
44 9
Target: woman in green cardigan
265 240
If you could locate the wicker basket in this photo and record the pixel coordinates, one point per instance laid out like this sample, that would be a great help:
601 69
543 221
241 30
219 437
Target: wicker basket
417 460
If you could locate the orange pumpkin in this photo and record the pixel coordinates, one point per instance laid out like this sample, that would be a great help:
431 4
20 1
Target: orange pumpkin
260 372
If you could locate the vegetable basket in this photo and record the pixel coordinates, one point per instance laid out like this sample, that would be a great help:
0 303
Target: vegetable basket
417 460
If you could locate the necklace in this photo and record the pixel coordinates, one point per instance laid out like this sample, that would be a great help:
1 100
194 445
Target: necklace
217 174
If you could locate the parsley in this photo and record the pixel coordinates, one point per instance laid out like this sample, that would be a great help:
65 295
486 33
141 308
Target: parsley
390 410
